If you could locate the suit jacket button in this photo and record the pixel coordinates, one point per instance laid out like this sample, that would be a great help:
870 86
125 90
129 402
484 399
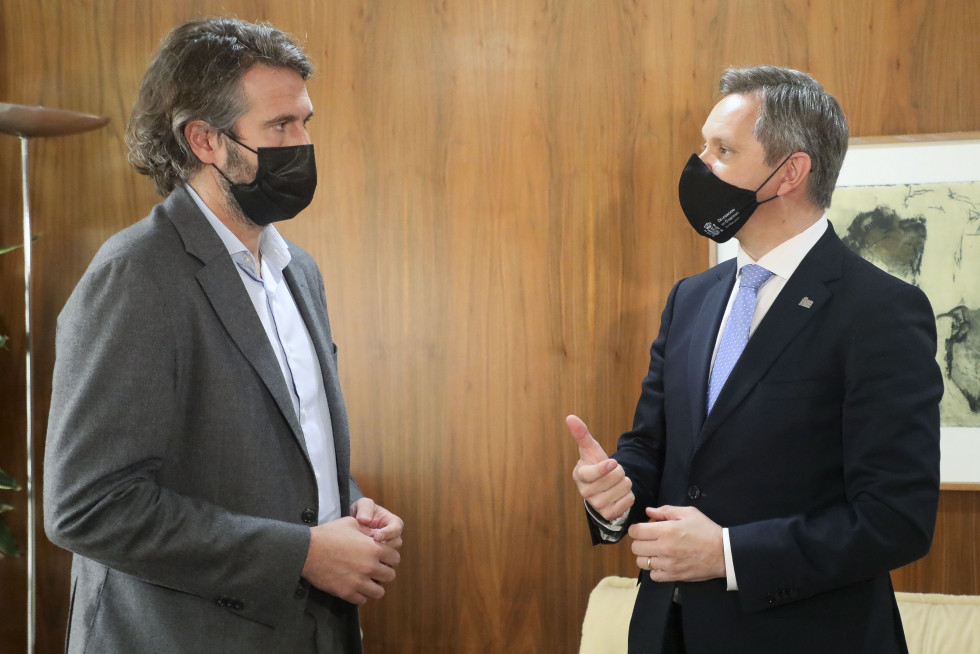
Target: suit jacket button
694 492
222 601
308 516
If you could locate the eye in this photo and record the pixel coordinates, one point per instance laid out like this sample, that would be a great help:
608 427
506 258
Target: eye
281 126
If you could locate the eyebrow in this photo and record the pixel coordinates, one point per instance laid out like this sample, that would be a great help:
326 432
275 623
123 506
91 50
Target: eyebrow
286 118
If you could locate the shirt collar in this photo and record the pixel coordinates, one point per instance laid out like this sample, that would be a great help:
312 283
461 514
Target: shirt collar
272 246
783 259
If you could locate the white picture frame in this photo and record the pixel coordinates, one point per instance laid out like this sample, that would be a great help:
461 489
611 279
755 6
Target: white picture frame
915 159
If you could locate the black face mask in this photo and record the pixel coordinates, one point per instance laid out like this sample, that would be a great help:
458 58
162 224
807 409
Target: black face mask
714 207
283 186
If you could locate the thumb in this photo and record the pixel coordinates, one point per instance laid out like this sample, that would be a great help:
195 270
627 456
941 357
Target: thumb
363 511
589 449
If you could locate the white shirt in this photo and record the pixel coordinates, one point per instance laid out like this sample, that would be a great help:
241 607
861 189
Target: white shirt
782 261
291 342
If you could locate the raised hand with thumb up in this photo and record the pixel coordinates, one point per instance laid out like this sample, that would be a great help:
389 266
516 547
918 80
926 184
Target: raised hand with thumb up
601 481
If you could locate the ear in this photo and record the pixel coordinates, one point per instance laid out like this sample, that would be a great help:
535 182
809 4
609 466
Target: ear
796 171
205 142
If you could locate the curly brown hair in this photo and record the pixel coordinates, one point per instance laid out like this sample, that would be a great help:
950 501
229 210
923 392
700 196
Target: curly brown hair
196 75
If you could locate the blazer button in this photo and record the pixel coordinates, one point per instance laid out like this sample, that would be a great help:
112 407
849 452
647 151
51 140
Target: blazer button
694 492
308 516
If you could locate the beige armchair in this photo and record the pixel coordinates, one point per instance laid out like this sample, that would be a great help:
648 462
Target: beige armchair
934 624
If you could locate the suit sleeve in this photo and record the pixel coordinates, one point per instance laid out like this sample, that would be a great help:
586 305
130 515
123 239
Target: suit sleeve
110 428
890 467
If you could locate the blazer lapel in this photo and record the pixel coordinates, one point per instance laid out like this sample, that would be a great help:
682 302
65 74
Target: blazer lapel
319 333
223 287
703 341
802 297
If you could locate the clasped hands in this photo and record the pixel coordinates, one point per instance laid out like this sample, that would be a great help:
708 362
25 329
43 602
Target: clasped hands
677 544
354 556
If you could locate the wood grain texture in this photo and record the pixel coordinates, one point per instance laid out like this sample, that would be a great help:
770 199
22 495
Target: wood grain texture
497 225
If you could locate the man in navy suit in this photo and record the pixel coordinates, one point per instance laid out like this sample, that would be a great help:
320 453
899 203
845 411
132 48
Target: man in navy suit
784 455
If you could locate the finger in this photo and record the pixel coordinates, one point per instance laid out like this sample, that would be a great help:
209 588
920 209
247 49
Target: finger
353 523
647 532
355 598
390 531
666 512
657 566
596 485
618 494
620 507
394 543
383 573
391 557
372 589
589 449
589 473
364 510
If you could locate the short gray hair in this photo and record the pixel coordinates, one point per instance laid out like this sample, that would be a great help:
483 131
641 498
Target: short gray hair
797 115
196 75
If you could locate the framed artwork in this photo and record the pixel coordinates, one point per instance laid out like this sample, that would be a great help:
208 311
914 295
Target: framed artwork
911 205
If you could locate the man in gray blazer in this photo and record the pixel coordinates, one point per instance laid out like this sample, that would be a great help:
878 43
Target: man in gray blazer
198 453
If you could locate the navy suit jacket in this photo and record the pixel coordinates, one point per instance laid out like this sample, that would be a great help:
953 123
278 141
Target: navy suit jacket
821 456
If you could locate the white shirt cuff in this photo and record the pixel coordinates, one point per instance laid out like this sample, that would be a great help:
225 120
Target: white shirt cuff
729 562
615 525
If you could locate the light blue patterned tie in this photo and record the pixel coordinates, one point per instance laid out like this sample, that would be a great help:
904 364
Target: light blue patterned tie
736 333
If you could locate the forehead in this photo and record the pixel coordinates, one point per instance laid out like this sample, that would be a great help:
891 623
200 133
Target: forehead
733 118
271 90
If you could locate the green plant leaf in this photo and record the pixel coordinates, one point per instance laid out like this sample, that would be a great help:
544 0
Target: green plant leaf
4 507
10 248
8 546
6 481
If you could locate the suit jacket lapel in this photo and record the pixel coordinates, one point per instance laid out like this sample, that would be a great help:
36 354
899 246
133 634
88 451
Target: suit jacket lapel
222 284
802 297
316 325
703 342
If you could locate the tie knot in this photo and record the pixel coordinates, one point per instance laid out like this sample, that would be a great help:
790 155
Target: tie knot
754 276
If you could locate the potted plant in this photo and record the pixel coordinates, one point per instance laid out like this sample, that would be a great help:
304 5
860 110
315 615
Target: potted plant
8 546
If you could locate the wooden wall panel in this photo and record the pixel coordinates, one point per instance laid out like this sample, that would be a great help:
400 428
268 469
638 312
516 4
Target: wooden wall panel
497 226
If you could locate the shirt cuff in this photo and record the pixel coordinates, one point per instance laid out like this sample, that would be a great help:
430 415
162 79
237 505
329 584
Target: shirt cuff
729 562
614 526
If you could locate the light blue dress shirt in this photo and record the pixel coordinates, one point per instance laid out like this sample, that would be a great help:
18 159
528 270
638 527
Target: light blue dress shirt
291 342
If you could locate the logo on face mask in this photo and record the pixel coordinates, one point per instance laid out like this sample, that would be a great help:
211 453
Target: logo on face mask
713 207
284 183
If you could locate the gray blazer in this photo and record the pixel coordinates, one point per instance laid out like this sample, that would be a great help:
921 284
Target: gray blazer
175 467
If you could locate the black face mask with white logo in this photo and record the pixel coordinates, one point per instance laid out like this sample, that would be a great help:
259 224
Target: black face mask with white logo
283 186
714 207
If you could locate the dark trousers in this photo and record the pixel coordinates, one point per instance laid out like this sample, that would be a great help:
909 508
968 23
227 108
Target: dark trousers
674 634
